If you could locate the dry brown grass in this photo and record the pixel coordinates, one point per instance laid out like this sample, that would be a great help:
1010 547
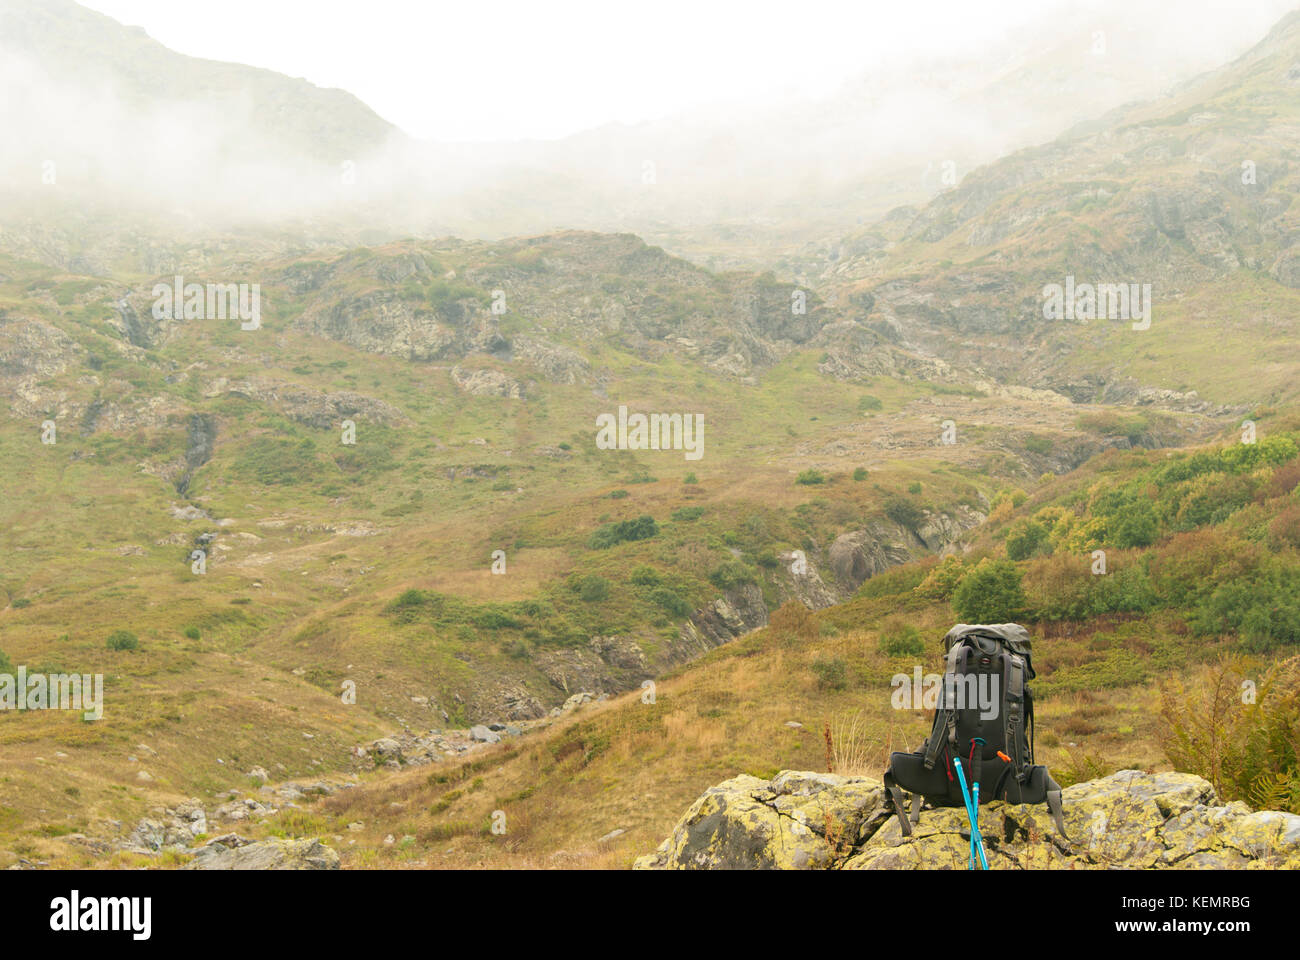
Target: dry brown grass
855 753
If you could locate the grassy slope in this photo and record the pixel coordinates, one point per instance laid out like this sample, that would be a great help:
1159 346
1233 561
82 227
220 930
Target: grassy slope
286 591
634 766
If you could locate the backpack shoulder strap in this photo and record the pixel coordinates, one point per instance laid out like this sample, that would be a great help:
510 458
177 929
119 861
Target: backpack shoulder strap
945 723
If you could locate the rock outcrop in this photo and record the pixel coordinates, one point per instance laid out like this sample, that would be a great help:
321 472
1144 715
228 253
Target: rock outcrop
735 613
229 853
823 821
858 555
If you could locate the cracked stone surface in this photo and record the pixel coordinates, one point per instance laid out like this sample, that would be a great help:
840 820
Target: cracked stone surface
823 821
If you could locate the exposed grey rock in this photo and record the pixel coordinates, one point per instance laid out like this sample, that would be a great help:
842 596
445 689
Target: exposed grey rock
271 854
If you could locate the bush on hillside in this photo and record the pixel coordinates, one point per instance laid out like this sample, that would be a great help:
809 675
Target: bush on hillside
832 673
1024 539
904 512
1284 528
593 588
731 574
644 575
1262 608
1270 451
943 578
279 461
898 639
1285 479
1063 587
670 600
612 534
122 640
1191 564
990 593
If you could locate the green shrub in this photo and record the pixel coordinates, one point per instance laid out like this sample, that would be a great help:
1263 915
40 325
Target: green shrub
1262 608
1024 538
492 617
612 534
516 649
990 593
903 512
810 478
593 588
901 641
731 574
645 576
1134 526
192 633
1270 451
1016 497
831 672
670 600
122 640
943 578
860 474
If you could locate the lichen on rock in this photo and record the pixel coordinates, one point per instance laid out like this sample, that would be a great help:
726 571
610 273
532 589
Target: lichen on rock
1130 820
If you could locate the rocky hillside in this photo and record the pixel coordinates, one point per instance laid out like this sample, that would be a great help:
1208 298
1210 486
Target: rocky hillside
1191 194
819 821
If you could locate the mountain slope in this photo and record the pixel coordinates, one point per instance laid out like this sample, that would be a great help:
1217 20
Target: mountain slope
1191 194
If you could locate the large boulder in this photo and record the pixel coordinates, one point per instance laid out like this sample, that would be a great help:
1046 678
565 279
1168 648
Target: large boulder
796 821
824 821
272 854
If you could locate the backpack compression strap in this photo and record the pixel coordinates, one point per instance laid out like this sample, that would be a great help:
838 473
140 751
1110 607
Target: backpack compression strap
1054 805
896 795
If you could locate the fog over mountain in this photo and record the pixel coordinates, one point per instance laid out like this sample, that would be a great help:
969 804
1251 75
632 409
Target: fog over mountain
111 112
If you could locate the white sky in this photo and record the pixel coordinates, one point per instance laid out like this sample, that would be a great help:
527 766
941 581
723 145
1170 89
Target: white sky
515 69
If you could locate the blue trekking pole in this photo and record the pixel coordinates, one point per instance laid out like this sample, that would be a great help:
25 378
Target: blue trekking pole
972 814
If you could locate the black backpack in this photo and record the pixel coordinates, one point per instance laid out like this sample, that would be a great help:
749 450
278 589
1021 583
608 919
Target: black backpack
996 751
